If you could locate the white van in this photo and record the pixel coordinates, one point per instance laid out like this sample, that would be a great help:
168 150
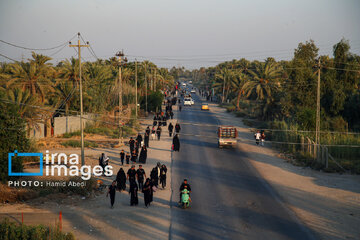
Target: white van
187 102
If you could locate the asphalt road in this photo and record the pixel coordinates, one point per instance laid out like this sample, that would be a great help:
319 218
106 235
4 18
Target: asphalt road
229 199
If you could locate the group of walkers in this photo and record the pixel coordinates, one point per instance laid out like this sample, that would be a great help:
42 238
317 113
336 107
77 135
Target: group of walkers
136 183
259 137
137 178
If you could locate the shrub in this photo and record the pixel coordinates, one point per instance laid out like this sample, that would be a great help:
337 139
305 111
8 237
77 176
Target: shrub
13 137
11 231
71 134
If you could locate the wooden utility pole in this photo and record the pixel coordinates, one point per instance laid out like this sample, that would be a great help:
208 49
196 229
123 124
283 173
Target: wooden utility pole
120 54
152 80
136 100
79 46
317 131
155 79
223 94
146 90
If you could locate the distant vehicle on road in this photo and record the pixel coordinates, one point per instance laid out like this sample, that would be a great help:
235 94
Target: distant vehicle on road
227 136
205 107
190 82
187 102
193 91
184 84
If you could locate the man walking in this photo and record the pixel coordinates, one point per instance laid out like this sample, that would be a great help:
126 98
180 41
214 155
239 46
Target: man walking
177 128
257 136
163 171
170 128
138 141
112 191
158 132
132 144
131 174
122 156
140 176
146 139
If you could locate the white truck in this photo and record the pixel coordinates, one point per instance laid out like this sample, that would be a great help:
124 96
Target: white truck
227 136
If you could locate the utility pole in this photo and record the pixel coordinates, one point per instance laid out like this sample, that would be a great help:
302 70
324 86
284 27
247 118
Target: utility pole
155 79
120 54
152 80
223 95
136 100
317 131
146 91
79 46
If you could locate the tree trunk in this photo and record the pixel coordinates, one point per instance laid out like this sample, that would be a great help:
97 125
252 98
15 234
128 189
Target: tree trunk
223 95
238 101
67 117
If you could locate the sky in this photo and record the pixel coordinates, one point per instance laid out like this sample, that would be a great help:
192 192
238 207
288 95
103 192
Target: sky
189 33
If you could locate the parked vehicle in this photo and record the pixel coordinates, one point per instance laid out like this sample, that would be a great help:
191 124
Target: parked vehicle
227 136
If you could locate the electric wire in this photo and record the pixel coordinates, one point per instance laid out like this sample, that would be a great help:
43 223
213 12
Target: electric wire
37 49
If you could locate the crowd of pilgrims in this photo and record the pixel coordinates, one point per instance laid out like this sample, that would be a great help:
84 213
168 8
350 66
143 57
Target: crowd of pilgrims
137 178
139 182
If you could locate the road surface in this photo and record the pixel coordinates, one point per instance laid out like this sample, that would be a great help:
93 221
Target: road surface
230 200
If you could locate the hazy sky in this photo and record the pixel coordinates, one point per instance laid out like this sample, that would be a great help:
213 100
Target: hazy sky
190 33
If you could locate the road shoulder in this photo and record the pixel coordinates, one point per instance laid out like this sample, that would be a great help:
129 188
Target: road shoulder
327 203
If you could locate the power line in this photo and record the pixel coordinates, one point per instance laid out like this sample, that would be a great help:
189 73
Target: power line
90 49
37 49
8 58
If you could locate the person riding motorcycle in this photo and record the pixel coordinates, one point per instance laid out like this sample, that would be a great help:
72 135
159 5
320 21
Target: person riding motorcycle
183 186
185 197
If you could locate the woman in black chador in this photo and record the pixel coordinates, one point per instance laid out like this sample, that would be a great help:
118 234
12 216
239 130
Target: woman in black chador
176 143
121 180
143 155
148 192
133 193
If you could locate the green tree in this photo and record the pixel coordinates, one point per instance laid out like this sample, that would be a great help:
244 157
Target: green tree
12 128
35 75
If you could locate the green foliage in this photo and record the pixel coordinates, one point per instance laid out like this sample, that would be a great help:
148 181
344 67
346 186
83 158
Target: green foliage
154 101
12 133
11 231
71 134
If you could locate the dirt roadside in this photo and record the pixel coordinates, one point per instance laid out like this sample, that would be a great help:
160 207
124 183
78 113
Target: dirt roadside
92 218
328 203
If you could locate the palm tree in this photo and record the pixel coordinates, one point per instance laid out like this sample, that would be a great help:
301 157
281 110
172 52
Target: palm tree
27 110
222 80
237 85
98 85
34 75
70 70
265 80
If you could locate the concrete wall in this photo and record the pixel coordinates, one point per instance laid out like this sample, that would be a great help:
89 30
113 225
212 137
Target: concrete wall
38 133
61 126
69 124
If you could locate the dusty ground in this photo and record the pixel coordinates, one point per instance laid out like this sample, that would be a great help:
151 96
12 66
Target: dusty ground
92 218
329 203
